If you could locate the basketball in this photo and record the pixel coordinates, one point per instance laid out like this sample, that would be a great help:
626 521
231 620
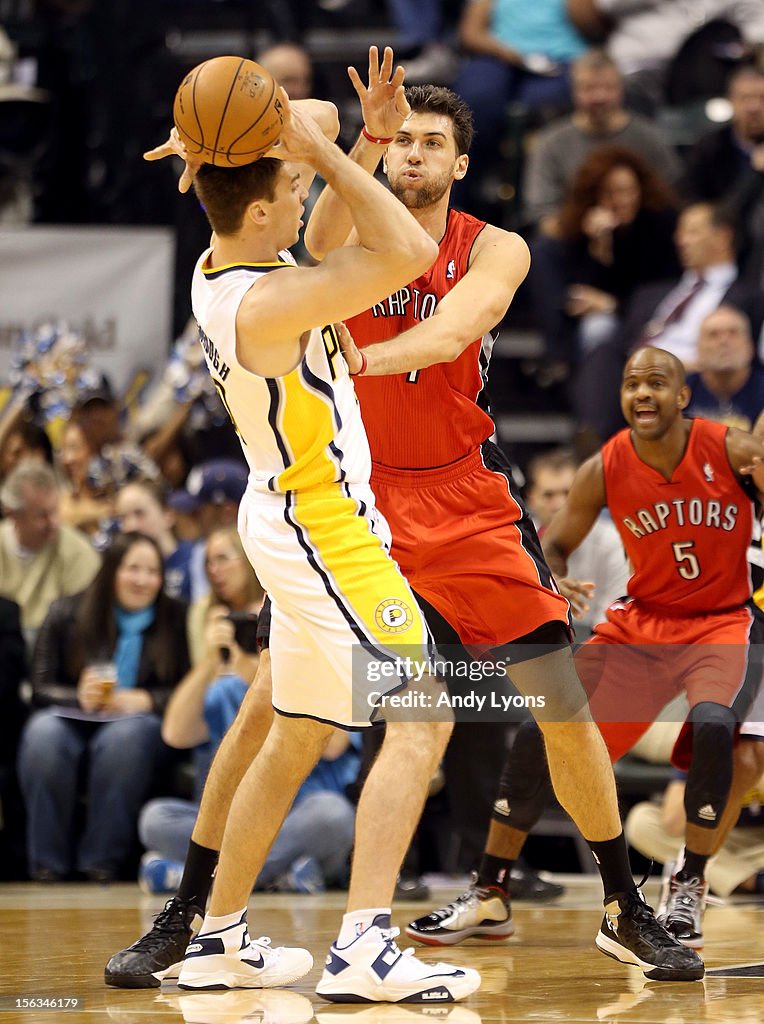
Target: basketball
228 112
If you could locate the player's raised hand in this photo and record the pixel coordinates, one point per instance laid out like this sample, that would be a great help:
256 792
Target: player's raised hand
349 349
174 147
383 101
578 592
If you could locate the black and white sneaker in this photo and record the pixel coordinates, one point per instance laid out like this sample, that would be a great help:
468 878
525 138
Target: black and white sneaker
683 903
159 953
480 912
630 933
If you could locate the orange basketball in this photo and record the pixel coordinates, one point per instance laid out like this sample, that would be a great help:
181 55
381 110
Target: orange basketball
228 112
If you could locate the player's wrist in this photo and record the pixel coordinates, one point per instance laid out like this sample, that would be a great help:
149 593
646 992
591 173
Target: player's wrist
377 140
362 368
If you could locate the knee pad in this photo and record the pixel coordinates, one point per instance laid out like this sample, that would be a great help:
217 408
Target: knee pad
525 787
710 774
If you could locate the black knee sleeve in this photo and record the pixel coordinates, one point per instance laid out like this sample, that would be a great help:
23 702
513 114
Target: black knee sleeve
525 788
710 774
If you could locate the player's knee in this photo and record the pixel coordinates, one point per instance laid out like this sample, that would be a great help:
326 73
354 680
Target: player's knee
710 774
525 788
422 743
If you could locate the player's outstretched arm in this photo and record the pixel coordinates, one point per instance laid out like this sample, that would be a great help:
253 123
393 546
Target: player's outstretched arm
384 108
576 517
746 456
474 306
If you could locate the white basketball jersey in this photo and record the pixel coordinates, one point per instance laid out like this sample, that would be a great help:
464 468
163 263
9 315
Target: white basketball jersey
299 431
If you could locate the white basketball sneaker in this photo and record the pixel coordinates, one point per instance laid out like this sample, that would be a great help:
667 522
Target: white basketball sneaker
230 959
372 969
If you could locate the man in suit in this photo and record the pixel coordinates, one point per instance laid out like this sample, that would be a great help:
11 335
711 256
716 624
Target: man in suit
668 315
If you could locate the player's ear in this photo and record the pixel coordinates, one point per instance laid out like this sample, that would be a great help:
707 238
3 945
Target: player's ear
257 212
460 169
683 397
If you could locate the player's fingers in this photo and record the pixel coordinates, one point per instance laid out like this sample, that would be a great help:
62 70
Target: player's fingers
387 64
402 105
398 76
357 83
373 65
159 152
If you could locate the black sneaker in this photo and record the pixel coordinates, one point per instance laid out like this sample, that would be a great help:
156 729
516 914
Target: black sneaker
630 933
159 954
480 913
526 884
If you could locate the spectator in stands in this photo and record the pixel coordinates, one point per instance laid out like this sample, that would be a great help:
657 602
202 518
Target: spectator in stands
420 43
25 440
224 657
13 671
646 40
727 166
613 233
82 506
599 118
599 563
141 506
728 386
657 831
292 68
124 618
669 314
40 560
517 53
215 488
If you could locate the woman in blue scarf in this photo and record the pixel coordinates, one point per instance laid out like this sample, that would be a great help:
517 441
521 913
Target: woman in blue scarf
124 626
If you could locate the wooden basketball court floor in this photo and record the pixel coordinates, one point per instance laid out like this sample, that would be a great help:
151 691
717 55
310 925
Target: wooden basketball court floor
56 940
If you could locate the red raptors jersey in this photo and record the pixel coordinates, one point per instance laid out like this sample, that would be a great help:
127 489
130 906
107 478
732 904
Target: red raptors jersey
430 417
686 537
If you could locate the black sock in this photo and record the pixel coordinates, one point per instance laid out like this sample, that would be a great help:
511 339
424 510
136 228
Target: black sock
694 866
198 870
494 871
612 859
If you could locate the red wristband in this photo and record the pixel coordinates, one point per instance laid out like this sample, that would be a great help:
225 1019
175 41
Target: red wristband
374 139
364 364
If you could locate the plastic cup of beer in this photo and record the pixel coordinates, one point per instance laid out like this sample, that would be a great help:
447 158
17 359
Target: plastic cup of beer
106 673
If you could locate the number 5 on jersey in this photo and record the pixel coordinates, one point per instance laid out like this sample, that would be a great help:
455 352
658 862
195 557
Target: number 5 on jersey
686 561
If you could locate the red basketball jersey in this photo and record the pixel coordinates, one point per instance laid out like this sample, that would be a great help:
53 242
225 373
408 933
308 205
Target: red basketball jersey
430 417
686 537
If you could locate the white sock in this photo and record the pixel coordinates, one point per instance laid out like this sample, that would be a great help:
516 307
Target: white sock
356 923
226 925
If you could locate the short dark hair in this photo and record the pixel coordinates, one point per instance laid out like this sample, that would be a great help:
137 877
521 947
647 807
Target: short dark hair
553 459
436 99
226 192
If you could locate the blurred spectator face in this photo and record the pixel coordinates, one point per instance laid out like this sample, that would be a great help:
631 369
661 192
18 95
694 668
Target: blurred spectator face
597 92
137 510
291 67
139 577
37 521
700 242
725 344
747 99
548 492
621 193
75 454
13 451
228 570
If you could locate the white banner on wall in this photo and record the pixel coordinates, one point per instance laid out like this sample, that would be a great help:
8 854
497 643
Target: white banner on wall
114 284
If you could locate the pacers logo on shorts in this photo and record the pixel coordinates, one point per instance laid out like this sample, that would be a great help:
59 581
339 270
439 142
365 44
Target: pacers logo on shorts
393 616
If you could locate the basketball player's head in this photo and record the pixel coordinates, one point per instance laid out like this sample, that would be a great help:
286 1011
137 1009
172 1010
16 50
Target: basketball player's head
266 195
429 151
654 392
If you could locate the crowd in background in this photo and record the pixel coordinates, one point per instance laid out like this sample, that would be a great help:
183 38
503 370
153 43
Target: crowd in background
624 142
